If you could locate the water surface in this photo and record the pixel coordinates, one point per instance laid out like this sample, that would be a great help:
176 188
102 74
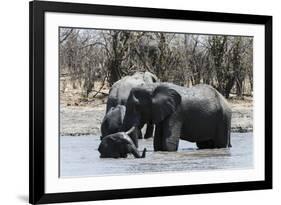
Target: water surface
79 157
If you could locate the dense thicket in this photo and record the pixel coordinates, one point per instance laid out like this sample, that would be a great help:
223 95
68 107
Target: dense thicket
88 56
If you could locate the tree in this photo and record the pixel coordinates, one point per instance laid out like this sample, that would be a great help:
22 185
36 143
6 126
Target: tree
219 52
88 56
119 46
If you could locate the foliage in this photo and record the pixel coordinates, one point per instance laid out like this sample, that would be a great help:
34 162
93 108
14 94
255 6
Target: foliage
88 56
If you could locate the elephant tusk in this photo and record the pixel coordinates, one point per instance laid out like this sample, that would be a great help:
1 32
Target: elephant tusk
130 130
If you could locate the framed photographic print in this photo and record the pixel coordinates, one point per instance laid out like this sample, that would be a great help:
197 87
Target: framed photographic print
130 102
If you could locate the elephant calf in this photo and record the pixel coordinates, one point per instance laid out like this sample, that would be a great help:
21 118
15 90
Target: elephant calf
119 145
113 120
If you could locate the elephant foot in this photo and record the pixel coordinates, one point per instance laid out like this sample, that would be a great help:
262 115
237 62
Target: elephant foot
170 145
209 144
157 144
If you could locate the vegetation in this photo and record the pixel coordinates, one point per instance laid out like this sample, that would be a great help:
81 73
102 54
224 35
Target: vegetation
89 56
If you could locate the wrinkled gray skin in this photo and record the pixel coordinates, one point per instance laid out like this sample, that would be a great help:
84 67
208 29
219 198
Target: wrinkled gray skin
120 90
198 114
119 145
113 120
119 93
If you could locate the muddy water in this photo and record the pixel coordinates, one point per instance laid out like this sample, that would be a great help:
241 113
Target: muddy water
79 157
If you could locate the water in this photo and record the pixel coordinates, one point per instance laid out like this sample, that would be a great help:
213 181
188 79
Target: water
79 157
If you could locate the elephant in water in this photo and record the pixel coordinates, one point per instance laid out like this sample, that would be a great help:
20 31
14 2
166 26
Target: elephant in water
113 120
119 145
198 114
119 93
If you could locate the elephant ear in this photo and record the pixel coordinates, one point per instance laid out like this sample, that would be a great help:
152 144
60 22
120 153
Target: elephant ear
165 101
132 101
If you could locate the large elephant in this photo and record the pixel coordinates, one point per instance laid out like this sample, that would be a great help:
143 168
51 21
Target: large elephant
120 90
119 145
198 114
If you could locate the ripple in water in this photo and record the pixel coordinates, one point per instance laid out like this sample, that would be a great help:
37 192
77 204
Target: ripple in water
79 157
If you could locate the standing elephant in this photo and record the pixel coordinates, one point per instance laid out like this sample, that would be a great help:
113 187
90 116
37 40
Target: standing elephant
120 91
119 145
198 114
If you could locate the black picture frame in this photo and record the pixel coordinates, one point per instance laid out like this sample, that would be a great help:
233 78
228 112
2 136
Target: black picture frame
37 9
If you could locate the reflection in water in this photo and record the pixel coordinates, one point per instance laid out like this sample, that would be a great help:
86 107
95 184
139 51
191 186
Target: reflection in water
79 157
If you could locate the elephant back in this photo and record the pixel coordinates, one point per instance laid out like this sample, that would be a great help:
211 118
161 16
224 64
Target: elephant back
120 90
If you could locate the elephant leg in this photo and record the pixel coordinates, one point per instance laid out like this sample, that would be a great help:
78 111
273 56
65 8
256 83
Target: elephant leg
209 144
171 134
149 130
139 133
222 138
157 140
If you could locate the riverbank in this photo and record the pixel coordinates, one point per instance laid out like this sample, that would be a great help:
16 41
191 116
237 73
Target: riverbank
85 119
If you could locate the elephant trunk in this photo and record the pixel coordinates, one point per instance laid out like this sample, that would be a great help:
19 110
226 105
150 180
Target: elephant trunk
136 153
143 153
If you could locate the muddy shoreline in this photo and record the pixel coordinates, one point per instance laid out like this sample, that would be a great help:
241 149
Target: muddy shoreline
86 120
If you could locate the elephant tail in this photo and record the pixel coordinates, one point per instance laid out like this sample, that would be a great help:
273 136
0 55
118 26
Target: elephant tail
227 128
228 120
226 114
229 133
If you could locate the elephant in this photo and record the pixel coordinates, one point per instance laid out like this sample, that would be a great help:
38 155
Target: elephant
120 90
119 145
198 114
113 120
